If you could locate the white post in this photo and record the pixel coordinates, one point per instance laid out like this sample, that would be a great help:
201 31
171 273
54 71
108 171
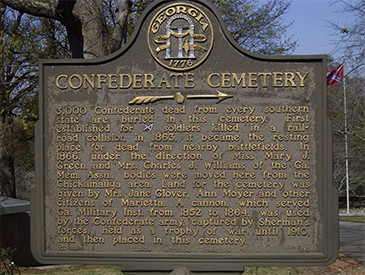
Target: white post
346 148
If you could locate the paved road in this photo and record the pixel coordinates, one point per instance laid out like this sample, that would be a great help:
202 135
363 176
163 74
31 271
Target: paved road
352 240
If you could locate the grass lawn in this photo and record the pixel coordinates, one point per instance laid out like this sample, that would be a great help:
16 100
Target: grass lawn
343 266
353 218
338 269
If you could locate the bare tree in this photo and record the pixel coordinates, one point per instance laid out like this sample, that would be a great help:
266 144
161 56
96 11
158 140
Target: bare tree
258 25
351 41
87 31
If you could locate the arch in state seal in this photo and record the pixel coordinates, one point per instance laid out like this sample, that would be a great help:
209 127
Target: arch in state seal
180 36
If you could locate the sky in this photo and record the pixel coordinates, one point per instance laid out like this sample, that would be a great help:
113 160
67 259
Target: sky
311 28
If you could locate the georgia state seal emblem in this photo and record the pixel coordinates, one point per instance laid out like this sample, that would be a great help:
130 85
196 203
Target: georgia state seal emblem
180 37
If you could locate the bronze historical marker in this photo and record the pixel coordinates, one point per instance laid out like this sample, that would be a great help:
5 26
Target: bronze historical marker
183 149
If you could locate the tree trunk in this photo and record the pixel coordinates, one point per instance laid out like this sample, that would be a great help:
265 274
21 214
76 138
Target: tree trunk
86 27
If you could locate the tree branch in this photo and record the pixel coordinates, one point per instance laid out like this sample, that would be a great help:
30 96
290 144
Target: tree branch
34 7
121 17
